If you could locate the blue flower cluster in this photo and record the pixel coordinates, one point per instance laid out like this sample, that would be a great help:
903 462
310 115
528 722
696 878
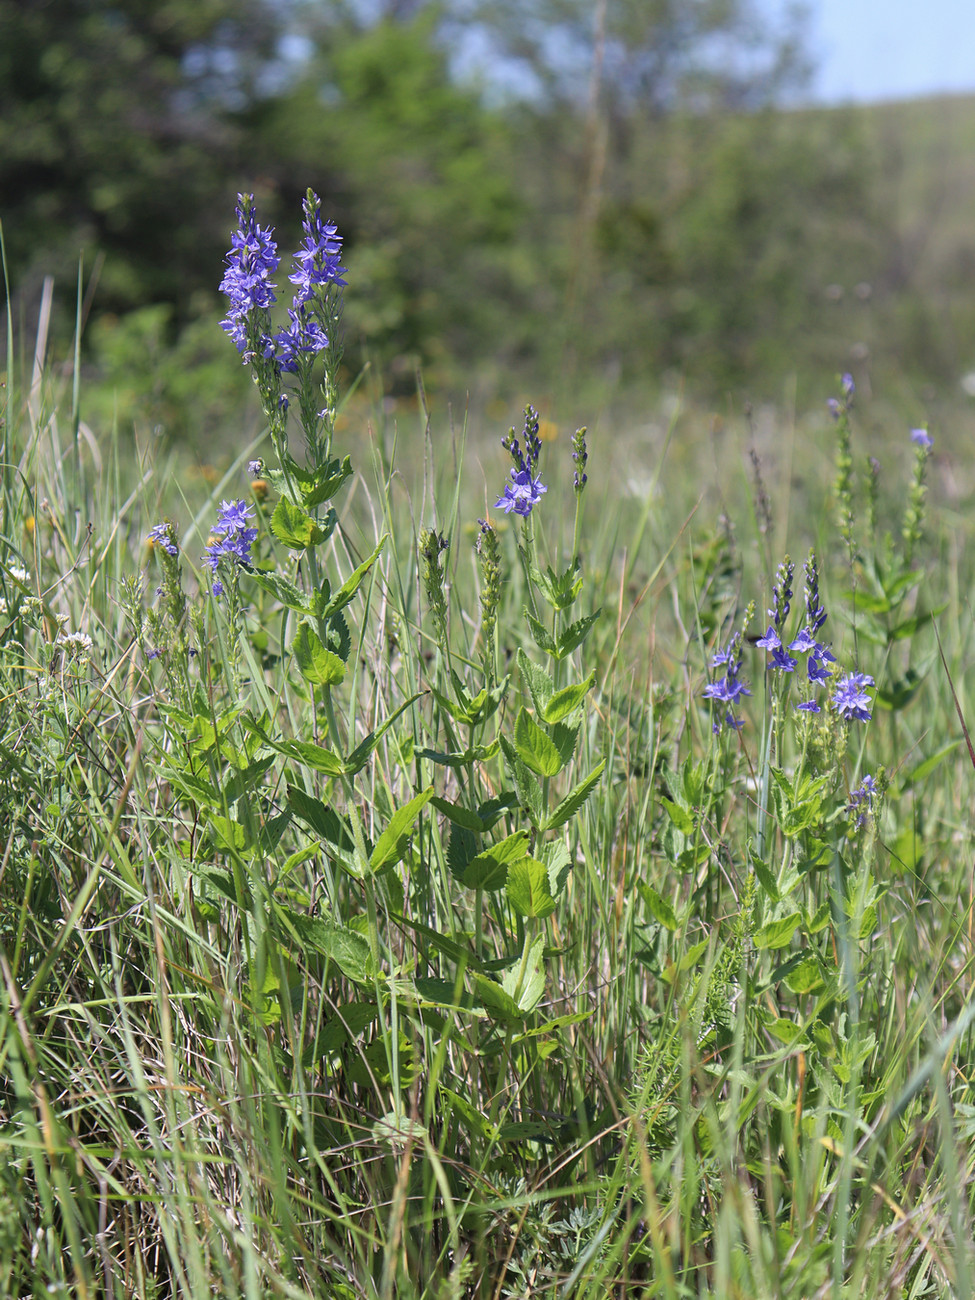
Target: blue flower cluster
232 539
526 487
727 689
253 259
163 535
849 697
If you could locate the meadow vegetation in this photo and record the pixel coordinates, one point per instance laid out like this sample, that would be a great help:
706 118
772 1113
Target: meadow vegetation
538 872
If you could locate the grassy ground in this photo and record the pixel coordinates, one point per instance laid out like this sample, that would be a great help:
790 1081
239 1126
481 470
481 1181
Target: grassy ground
410 924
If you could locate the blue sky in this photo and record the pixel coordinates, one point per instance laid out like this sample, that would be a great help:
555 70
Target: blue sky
891 49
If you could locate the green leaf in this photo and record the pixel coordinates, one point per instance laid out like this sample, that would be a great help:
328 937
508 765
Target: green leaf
316 664
357 760
928 765
325 481
539 681
323 820
535 748
679 815
350 951
310 755
574 800
540 634
528 889
352 583
567 700
575 634
282 588
807 977
393 842
525 980
460 815
766 878
498 1003
291 525
529 791
660 909
777 934
489 870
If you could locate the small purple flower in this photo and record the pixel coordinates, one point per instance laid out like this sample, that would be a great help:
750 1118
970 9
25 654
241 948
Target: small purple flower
233 516
804 642
727 689
253 468
153 654
922 438
305 335
817 669
808 706
521 494
162 535
782 661
848 386
834 407
850 698
217 588
770 641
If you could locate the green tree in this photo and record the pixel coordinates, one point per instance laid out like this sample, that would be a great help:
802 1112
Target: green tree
117 136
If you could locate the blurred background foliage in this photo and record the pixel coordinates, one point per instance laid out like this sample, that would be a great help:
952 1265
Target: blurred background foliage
588 196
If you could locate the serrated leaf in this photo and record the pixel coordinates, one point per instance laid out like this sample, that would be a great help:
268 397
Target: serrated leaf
294 527
525 980
529 791
323 820
660 909
392 844
766 878
310 755
539 680
528 889
282 588
498 1003
316 664
460 815
807 977
679 815
326 481
350 951
575 634
567 700
558 860
489 870
574 800
534 747
540 634
777 934
352 583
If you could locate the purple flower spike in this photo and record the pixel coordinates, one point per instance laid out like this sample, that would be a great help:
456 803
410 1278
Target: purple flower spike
922 438
252 260
526 487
